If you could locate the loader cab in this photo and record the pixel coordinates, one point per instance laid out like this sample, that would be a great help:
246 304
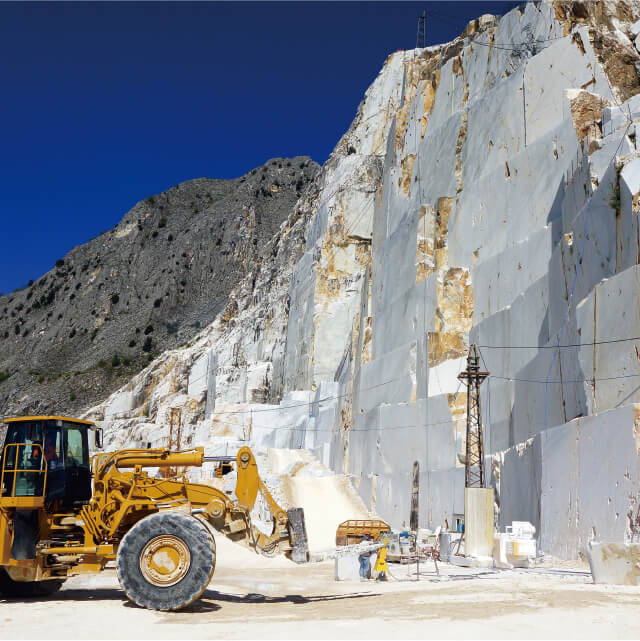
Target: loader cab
46 459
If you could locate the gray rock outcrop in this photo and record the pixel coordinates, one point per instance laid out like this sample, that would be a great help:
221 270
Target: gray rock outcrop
166 270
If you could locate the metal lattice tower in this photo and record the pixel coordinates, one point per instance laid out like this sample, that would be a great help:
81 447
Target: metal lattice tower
472 377
421 35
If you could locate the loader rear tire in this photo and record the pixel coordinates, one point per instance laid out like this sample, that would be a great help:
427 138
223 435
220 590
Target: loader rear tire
26 589
166 561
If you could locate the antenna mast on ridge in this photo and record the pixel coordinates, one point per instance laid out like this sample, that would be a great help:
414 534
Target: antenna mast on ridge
421 35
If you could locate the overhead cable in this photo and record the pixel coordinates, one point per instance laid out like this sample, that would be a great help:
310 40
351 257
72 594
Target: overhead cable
591 344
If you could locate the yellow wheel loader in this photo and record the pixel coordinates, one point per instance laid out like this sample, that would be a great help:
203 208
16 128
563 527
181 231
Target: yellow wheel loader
63 513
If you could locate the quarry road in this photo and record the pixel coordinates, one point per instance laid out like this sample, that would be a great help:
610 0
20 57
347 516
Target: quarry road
251 599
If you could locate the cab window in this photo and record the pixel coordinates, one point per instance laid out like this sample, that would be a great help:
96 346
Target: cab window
76 446
22 432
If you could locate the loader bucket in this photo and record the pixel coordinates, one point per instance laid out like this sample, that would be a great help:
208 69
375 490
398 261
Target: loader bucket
298 536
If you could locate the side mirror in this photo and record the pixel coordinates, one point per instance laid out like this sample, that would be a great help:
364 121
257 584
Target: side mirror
99 438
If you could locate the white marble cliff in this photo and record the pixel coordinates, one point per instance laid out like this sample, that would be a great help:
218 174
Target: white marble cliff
487 192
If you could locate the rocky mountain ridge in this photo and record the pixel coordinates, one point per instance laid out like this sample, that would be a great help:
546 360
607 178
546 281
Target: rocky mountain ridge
166 270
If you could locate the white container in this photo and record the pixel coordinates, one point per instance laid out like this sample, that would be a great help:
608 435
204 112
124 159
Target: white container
516 547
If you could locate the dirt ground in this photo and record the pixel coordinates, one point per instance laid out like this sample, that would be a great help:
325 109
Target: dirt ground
255 597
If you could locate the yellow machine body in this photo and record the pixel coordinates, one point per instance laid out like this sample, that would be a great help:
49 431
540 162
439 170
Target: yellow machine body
68 538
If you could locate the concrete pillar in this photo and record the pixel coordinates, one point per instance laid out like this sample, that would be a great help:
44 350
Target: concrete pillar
478 521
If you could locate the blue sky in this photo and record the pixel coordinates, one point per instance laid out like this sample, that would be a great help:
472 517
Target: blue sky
104 104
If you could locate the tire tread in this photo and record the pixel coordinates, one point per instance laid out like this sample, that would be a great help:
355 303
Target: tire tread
202 548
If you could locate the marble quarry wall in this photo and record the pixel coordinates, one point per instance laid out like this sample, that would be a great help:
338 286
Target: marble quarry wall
487 192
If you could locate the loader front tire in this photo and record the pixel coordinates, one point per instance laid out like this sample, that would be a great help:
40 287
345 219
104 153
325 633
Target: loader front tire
11 589
166 561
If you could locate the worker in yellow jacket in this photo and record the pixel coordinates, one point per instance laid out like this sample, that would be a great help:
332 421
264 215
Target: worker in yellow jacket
381 562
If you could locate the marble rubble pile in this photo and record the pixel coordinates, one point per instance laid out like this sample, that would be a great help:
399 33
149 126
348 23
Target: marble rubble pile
487 191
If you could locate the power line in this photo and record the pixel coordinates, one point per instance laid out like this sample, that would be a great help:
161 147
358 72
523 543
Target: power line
562 382
509 46
284 407
336 429
591 344
520 46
